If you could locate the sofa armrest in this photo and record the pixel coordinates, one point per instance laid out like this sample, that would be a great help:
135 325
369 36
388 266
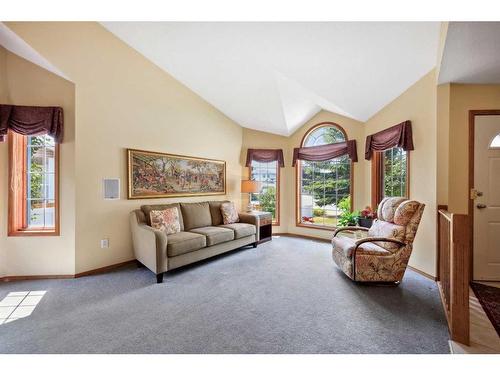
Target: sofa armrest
249 218
150 245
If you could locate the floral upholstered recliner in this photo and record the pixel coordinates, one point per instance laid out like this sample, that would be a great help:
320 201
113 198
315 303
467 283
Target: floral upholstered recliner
384 254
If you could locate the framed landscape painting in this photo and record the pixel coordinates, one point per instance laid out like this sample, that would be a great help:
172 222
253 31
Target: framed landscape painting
159 175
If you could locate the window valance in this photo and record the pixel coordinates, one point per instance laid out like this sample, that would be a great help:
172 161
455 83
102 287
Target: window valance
265 156
399 135
28 120
326 152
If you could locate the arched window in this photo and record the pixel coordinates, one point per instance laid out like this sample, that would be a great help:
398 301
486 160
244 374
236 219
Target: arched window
495 142
324 187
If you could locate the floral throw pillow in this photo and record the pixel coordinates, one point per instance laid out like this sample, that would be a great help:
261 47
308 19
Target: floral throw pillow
166 220
229 213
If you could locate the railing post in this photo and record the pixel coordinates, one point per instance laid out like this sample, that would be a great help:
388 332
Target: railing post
459 278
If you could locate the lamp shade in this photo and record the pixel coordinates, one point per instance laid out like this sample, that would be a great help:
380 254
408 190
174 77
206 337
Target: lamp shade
250 186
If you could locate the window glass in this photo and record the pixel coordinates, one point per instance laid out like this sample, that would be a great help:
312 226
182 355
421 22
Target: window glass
495 143
40 182
394 172
267 199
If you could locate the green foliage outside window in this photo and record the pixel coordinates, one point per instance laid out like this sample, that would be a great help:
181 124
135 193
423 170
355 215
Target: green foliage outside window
267 200
395 170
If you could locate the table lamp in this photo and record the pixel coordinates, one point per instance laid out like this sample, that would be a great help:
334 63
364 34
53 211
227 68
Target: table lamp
250 186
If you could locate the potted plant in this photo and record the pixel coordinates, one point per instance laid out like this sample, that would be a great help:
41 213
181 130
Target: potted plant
346 217
366 217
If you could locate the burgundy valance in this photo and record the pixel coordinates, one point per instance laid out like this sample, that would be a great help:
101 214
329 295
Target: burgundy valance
325 152
28 120
399 135
265 156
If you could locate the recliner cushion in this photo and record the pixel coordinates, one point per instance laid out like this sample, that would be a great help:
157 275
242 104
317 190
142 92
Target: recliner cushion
196 215
241 229
184 242
215 235
386 229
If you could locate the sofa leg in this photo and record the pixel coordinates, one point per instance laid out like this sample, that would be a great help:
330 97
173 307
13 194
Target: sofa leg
254 245
139 264
159 278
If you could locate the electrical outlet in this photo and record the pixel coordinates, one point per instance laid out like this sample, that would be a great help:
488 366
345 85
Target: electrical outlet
105 243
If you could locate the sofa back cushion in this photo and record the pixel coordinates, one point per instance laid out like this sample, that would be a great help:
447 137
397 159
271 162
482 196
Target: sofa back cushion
215 212
159 207
196 215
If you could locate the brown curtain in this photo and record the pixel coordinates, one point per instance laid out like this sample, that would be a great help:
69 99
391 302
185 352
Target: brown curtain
325 152
399 135
265 156
27 120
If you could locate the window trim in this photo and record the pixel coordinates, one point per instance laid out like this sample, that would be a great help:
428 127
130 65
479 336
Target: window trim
276 222
377 167
17 205
298 172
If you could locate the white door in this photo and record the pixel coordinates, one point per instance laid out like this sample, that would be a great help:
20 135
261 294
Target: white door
487 204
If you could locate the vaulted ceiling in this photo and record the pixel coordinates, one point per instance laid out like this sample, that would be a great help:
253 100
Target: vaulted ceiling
471 53
13 43
275 76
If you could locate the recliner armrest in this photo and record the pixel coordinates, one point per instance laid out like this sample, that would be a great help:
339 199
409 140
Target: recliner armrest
378 239
353 228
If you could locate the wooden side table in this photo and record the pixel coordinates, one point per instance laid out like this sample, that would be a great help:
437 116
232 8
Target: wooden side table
265 225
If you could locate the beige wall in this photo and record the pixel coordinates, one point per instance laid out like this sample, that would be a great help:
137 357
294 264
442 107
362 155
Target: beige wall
443 142
125 101
417 104
464 98
28 84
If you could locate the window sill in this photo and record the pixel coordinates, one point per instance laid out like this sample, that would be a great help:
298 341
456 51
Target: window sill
34 233
321 227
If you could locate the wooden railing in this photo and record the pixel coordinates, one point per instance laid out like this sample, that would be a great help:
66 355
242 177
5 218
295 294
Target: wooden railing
453 271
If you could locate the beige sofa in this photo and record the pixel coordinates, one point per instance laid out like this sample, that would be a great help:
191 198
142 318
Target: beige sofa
203 235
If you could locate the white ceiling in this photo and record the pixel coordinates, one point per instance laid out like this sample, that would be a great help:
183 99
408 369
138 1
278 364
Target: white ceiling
13 43
471 53
276 76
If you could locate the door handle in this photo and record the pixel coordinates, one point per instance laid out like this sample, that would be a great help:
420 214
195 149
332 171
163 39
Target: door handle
481 206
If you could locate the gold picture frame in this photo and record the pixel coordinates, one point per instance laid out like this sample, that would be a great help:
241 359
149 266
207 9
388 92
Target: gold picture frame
162 175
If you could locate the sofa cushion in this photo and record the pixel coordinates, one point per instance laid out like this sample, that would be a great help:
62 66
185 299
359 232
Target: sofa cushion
159 207
215 235
241 229
215 212
196 215
229 213
346 245
166 220
184 242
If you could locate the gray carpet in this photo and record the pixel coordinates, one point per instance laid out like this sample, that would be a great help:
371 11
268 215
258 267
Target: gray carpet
286 296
